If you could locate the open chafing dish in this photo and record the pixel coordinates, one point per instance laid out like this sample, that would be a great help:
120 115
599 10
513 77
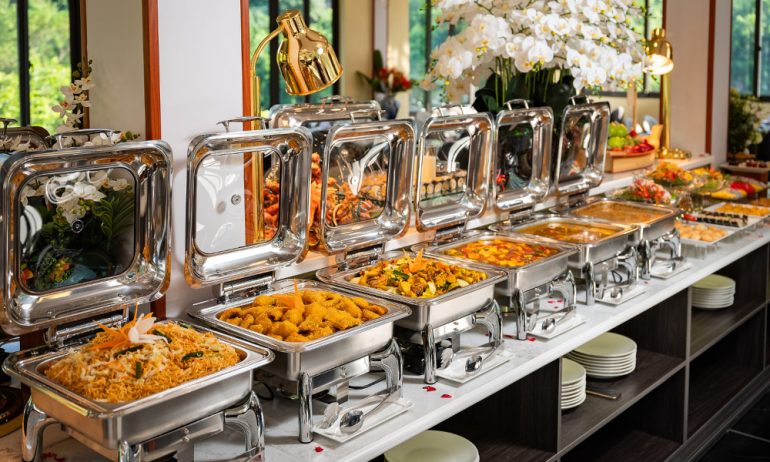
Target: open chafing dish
656 226
85 237
243 263
522 177
524 283
25 139
578 167
458 145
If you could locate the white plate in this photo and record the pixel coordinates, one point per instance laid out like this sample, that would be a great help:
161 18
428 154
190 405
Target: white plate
573 404
600 363
715 282
602 369
708 303
434 446
724 293
576 386
384 414
574 394
579 358
608 345
715 298
571 372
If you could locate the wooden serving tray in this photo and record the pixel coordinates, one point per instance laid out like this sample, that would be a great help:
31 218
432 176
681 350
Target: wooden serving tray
618 161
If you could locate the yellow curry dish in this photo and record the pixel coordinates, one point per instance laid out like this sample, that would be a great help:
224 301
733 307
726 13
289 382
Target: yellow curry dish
576 233
618 212
140 359
303 315
502 252
417 276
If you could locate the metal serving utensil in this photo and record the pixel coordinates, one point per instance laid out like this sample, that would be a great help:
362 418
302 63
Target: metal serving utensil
353 420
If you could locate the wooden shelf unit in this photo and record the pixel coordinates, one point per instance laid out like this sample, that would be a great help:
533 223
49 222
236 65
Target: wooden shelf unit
692 367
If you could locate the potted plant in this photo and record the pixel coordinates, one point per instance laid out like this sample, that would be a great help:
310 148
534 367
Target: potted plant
386 83
743 124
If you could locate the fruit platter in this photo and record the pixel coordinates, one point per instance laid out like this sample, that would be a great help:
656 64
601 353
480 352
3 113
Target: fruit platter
669 174
626 152
645 190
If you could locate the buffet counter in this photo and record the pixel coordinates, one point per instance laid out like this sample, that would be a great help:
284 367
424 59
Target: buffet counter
434 404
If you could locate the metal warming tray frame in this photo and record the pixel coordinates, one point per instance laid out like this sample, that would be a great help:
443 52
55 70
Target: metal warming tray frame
319 355
435 311
145 418
521 278
593 252
649 230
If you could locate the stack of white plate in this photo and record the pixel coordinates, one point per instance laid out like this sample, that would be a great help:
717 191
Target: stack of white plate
573 384
713 292
607 356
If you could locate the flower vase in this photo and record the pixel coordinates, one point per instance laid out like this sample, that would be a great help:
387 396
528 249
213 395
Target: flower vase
389 104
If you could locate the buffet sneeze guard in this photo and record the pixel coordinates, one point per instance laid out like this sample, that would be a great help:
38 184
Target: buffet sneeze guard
219 254
85 239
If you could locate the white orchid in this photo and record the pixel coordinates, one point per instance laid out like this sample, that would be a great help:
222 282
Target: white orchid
592 39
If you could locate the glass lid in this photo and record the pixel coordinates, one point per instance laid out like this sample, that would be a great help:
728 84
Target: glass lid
582 146
365 184
320 117
451 179
522 158
248 197
85 231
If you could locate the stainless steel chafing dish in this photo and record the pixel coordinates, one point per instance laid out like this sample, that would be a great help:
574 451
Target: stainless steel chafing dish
435 317
30 138
243 264
656 232
129 182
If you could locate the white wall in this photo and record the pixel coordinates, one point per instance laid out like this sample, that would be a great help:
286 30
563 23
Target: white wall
687 26
200 84
114 31
721 82
356 48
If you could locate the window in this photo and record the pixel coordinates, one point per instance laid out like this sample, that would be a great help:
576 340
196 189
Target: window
321 15
424 36
750 48
39 48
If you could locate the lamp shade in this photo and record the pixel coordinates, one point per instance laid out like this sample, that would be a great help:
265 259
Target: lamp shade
660 53
306 59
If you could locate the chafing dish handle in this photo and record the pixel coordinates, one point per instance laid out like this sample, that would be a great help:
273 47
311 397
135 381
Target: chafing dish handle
305 392
34 424
391 362
673 242
248 417
565 286
519 307
628 260
491 318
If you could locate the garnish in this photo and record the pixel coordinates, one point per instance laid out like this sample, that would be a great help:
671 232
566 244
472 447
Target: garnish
161 334
138 369
194 354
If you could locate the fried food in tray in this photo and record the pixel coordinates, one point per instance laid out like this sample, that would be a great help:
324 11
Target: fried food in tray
140 359
502 252
739 209
303 315
700 232
569 232
417 277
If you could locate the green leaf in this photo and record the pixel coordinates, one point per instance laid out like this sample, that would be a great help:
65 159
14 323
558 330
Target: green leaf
116 214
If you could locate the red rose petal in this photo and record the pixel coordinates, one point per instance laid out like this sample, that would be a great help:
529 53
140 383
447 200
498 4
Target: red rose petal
530 339
446 395
429 388
319 449
551 301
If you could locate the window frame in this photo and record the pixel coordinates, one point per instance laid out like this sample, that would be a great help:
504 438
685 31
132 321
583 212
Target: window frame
22 37
273 8
756 83
428 6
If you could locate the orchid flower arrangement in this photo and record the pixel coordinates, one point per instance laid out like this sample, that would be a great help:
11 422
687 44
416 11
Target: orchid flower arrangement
72 108
591 40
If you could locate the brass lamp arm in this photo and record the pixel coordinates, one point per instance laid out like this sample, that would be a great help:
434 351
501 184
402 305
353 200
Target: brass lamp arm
256 102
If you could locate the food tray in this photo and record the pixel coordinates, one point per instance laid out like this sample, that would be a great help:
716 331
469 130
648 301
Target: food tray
697 243
145 418
752 218
317 355
435 311
650 229
520 278
594 252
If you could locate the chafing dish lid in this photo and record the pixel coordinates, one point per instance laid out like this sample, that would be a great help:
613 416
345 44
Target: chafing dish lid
365 186
320 117
229 234
451 179
521 172
579 162
85 231
27 139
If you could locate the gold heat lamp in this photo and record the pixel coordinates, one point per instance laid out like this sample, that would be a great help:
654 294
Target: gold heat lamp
306 59
661 62
308 65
